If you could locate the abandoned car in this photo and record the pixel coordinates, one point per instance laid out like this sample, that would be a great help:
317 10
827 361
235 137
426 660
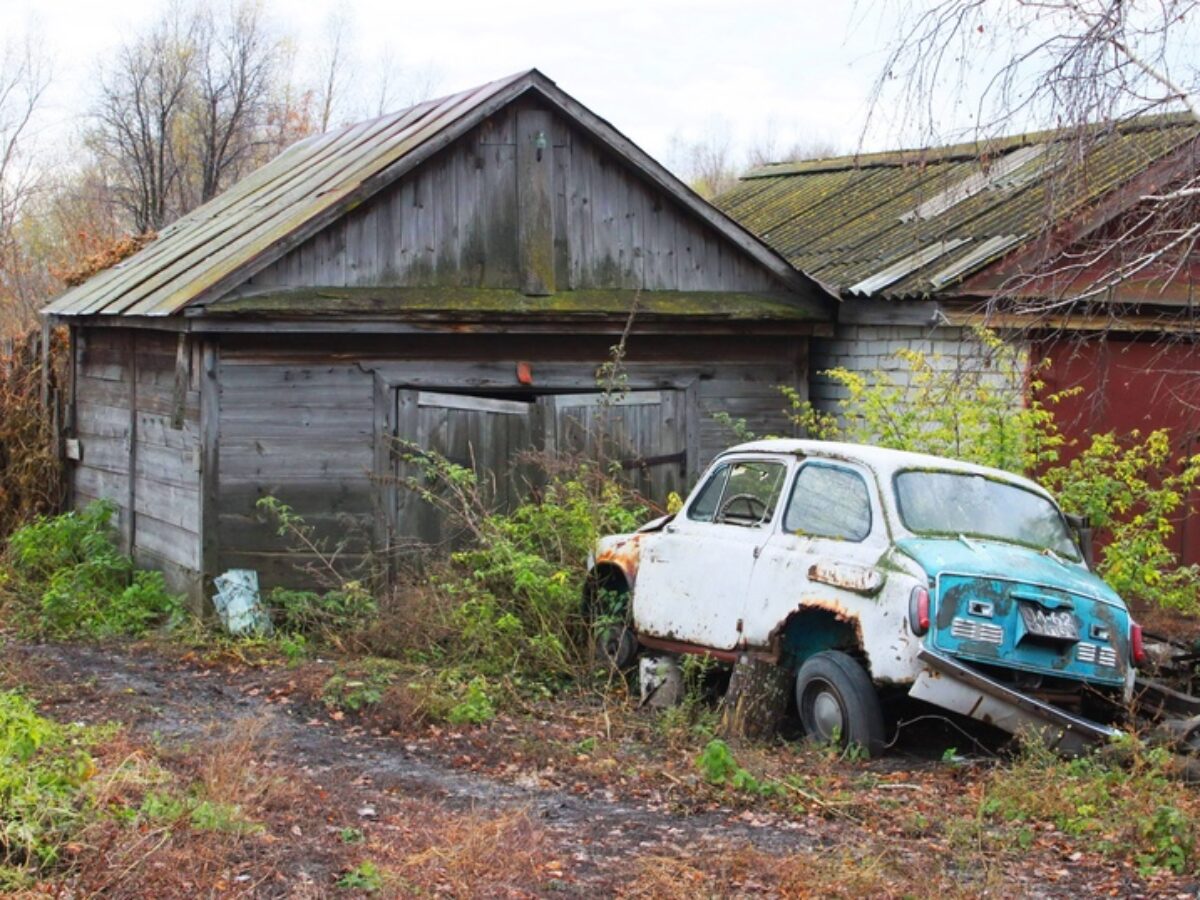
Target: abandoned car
872 573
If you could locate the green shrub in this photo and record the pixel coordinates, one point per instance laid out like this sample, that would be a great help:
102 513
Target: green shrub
514 592
67 578
998 414
476 707
330 616
1124 799
44 768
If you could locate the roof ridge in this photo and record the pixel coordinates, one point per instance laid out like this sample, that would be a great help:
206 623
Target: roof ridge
966 150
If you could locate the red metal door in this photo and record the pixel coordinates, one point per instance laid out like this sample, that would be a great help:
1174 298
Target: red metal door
1129 384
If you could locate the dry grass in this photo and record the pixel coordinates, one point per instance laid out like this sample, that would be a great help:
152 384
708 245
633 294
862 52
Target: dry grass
744 870
31 474
466 854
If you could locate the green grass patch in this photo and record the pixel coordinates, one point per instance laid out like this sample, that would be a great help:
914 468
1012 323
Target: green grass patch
64 577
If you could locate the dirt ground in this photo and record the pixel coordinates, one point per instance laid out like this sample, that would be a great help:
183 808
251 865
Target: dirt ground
528 805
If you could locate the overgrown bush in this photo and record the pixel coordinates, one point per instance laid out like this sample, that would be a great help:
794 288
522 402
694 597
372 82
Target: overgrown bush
31 475
64 577
516 588
43 769
998 414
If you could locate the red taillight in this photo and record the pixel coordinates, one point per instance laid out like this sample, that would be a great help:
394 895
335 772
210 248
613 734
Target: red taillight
918 610
1137 647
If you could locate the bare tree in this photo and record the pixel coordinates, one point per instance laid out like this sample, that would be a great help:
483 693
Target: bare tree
23 81
335 63
711 165
708 165
143 93
236 60
1084 68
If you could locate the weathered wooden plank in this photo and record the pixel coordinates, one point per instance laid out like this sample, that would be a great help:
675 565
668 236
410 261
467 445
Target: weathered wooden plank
130 532
108 453
169 465
301 422
209 543
472 403
182 380
172 503
251 534
281 458
102 421
105 485
535 202
167 541
497 216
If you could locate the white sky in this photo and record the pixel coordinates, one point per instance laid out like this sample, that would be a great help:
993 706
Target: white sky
656 68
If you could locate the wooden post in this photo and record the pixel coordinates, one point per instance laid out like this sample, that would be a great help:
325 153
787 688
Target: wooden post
756 701
210 411
131 496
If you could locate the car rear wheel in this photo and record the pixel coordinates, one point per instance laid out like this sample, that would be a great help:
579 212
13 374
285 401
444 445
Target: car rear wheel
615 645
837 702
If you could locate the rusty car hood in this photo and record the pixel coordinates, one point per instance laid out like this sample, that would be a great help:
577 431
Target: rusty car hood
995 559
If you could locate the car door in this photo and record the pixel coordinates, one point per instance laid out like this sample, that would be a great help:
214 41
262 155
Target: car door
829 536
692 577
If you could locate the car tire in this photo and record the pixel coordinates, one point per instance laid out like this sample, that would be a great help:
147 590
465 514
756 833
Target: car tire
837 701
616 646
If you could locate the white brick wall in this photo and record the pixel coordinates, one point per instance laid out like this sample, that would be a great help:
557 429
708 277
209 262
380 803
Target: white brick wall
869 348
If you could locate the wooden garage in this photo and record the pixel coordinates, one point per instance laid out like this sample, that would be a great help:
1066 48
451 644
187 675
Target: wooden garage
452 275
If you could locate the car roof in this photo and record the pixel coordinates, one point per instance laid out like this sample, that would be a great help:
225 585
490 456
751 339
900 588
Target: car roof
884 461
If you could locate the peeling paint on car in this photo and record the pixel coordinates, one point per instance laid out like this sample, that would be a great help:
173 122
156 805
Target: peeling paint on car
701 582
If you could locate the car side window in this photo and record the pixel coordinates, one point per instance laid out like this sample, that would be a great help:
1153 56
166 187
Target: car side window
742 493
829 501
705 504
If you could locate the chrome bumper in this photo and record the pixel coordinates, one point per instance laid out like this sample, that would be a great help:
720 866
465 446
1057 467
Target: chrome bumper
950 684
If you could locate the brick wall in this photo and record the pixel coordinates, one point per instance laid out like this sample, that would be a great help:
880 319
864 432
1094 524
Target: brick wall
869 348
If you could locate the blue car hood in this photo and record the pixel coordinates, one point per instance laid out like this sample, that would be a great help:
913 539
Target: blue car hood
992 559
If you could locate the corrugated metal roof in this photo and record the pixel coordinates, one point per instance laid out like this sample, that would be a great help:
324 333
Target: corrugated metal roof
914 222
267 209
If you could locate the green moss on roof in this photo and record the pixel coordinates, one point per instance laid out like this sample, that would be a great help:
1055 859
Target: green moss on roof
844 221
477 303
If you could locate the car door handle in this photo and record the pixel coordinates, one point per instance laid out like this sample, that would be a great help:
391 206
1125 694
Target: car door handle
757 551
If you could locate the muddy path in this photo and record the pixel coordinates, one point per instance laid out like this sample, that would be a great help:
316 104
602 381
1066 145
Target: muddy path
592 836
174 704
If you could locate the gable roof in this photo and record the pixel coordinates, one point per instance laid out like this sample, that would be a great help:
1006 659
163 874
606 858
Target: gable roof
916 223
216 247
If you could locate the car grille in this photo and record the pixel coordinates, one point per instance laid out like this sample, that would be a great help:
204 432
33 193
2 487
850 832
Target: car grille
1091 653
968 630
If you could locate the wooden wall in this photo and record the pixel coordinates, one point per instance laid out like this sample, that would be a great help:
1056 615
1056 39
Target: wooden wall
129 417
460 220
307 420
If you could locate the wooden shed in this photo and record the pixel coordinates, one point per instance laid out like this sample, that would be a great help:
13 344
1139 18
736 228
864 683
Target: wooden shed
450 275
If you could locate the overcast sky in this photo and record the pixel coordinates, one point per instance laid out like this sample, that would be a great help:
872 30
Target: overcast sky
802 69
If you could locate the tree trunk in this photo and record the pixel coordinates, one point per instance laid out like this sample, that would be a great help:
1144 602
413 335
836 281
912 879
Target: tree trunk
757 699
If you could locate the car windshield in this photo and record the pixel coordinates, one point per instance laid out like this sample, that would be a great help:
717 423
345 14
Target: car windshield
960 503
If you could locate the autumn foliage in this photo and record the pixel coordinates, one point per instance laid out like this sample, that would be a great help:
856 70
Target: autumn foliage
101 254
31 474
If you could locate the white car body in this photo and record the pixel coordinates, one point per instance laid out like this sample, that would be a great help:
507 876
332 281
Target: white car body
697 584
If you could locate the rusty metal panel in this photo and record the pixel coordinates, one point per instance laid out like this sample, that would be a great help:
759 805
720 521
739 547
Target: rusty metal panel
1125 384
